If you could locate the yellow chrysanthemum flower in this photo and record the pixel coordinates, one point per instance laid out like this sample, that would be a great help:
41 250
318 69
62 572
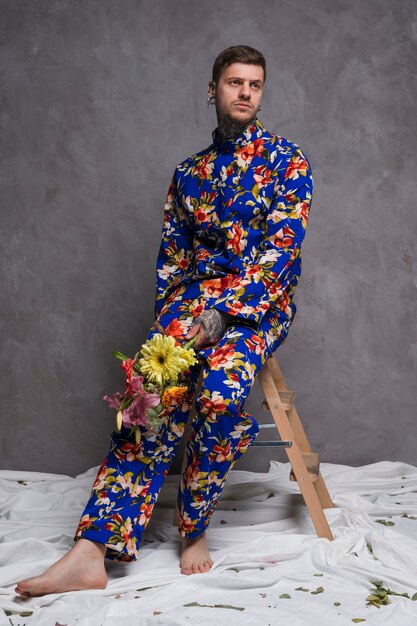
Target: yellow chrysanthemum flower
173 394
162 360
188 356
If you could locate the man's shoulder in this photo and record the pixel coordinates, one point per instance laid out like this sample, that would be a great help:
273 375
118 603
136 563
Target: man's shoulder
280 146
282 152
194 158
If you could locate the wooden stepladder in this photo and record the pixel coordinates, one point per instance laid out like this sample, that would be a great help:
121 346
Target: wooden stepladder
279 400
304 462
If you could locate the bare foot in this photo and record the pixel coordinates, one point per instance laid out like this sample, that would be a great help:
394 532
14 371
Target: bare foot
195 557
81 568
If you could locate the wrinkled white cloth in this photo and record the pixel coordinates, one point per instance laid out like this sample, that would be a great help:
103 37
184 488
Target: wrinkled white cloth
260 537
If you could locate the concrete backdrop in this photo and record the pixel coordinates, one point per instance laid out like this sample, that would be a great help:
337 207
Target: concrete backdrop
99 102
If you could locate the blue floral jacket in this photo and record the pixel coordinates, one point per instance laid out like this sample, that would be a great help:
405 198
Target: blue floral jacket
234 221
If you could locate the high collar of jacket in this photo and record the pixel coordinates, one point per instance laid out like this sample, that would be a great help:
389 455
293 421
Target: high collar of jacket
248 135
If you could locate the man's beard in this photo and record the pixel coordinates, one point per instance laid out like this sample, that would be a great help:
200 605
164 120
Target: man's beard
229 128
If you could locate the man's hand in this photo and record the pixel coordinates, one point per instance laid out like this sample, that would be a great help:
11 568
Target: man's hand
210 326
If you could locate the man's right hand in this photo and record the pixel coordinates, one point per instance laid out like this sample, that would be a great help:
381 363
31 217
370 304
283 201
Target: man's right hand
210 326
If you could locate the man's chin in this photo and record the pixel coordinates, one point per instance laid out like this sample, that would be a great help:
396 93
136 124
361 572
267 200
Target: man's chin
243 113
242 117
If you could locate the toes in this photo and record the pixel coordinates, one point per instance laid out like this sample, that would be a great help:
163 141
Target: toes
196 568
22 592
20 588
185 569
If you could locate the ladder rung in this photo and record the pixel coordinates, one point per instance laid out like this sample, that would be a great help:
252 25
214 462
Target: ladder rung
312 463
314 477
279 444
267 425
286 397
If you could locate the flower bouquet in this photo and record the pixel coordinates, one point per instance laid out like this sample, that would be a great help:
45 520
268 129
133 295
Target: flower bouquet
153 383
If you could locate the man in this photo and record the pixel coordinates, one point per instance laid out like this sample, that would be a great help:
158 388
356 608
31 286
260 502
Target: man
228 264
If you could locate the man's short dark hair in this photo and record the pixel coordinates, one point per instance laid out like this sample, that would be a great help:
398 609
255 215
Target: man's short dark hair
237 54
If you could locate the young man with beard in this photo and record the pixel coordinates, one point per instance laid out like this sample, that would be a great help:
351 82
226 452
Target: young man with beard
229 261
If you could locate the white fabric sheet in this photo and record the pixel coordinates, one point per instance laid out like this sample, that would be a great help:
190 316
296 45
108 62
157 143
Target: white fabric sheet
262 545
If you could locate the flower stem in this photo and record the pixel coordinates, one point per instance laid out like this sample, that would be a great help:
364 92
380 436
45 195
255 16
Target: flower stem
189 343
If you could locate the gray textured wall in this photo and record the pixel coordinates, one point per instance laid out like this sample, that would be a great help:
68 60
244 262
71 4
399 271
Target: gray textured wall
99 101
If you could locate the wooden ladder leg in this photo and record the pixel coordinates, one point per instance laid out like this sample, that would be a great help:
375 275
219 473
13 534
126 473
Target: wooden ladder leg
299 432
294 453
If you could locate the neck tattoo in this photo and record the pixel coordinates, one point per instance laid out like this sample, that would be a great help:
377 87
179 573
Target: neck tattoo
228 128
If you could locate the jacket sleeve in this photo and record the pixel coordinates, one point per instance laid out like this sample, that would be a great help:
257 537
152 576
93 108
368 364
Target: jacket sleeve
278 259
175 254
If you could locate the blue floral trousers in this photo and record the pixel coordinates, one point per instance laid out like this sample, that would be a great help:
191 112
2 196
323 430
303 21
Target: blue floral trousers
130 478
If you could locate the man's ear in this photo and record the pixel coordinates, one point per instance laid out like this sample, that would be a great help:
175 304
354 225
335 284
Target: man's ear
212 87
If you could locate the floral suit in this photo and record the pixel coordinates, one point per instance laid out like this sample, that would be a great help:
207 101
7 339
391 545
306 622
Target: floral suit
234 221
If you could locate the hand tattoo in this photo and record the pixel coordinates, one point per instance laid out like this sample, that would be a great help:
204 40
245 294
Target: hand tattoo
214 323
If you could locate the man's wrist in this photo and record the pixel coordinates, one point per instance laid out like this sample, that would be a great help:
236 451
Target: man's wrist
227 317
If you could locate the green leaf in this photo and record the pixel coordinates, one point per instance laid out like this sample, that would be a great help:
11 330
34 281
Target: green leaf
285 595
318 574
26 613
270 495
318 590
119 355
337 603
357 620
229 606
414 597
301 589
385 522
372 597
217 606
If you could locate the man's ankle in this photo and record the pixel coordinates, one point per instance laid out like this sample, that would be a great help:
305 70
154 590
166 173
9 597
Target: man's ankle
94 548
